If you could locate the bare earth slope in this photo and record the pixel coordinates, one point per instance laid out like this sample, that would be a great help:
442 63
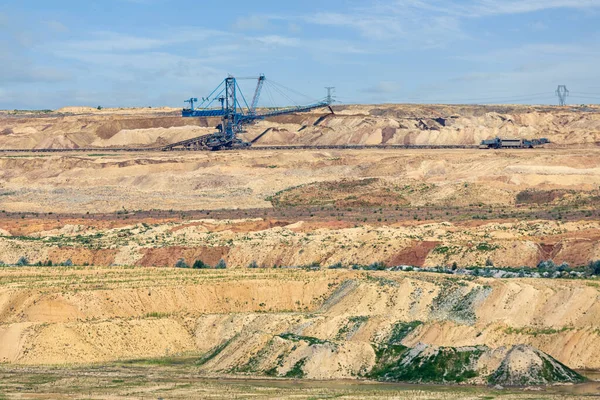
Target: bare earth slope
358 124
119 222
98 182
260 319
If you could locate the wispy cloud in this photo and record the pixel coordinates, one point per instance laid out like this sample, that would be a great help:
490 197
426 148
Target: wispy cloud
57 26
251 23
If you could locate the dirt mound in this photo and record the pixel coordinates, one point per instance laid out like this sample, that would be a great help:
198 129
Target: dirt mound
519 365
526 366
343 193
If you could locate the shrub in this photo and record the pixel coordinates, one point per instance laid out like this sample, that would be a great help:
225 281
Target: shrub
313 266
563 267
338 265
376 266
23 261
68 263
253 264
181 264
221 264
594 268
199 264
547 266
489 262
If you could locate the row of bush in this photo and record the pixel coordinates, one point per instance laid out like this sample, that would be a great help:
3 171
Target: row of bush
199 264
545 268
24 262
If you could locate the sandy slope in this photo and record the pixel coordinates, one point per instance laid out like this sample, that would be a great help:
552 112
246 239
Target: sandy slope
268 243
96 183
359 124
75 316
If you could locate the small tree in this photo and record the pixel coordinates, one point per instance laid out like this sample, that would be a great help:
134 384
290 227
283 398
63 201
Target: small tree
68 263
563 267
377 266
253 264
181 264
199 264
338 265
221 264
489 262
23 262
594 268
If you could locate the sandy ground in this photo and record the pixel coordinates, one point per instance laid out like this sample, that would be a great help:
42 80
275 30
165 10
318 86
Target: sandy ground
190 181
74 127
140 381
82 315
423 208
160 243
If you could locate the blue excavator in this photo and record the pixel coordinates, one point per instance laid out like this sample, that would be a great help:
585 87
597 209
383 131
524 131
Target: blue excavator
228 103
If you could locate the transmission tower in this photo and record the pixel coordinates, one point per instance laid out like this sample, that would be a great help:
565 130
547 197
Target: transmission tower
562 92
330 94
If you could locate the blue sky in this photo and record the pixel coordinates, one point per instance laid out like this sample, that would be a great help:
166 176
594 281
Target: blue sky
158 52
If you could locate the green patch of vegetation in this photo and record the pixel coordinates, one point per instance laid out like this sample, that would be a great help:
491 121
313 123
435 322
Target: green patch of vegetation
551 371
254 361
402 330
444 365
41 379
486 247
381 280
536 331
157 315
215 351
454 304
297 338
297 371
354 323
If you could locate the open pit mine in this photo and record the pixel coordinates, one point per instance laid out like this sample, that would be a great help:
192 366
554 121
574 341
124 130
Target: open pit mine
370 251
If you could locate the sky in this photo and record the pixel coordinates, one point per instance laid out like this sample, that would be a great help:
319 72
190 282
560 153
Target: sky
125 53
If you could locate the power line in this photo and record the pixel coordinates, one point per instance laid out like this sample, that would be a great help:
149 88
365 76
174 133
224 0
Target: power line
524 97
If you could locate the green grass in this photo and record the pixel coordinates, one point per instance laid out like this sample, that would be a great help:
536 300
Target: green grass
297 371
536 331
296 338
447 365
401 330
215 351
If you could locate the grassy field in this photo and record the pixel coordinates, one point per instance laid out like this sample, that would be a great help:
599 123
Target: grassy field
178 379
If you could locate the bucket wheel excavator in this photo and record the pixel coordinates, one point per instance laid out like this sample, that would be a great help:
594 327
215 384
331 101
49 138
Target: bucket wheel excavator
235 113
